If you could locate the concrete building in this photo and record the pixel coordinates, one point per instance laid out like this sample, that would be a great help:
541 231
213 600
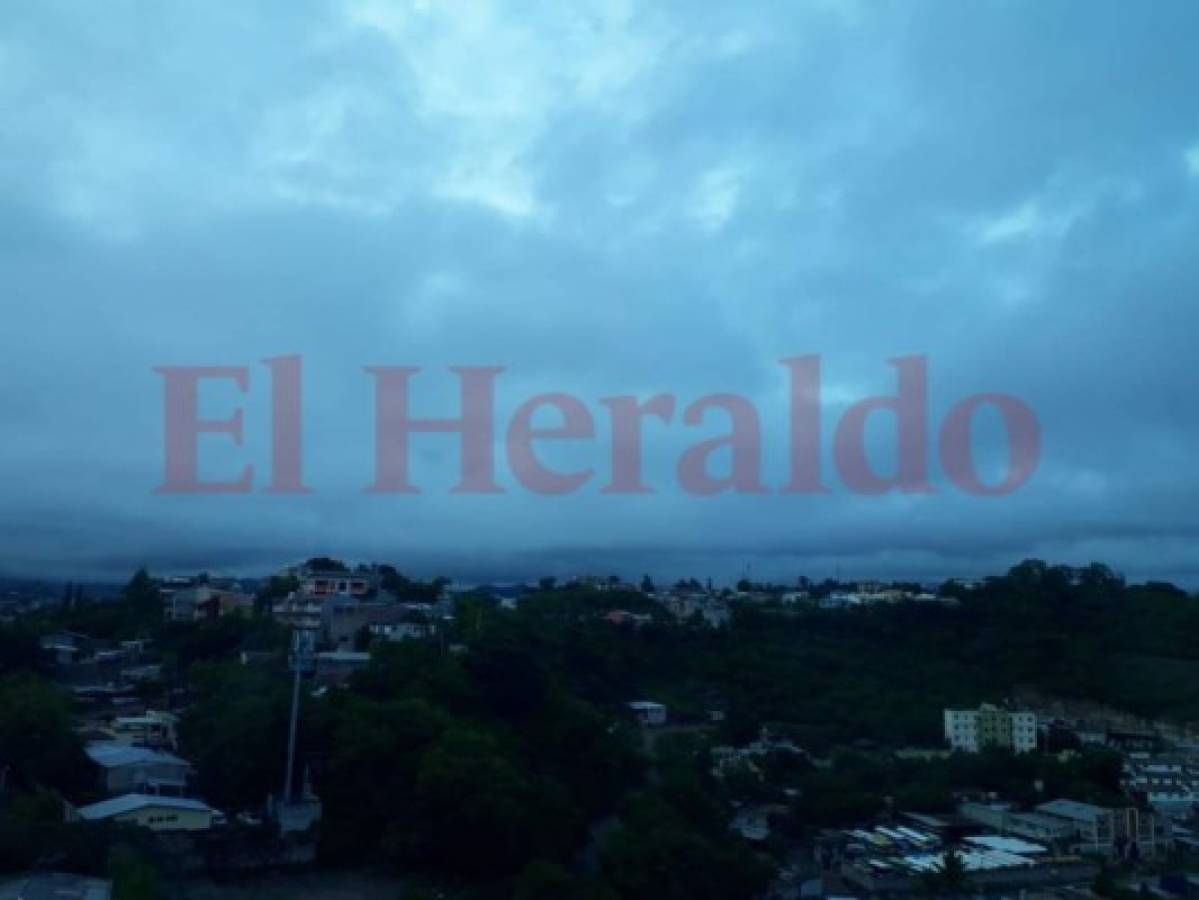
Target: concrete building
299 611
685 606
1123 833
343 618
413 629
1081 828
329 602
335 667
54 886
154 812
1031 826
648 712
65 647
974 730
322 583
895 860
124 769
202 602
1169 784
152 729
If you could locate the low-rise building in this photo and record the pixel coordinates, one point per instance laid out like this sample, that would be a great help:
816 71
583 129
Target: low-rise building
624 618
1122 833
124 769
726 759
322 583
299 611
708 608
1168 784
152 729
1033 826
152 811
648 712
898 859
343 619
65 647
336 666
205 601
54 886
410 629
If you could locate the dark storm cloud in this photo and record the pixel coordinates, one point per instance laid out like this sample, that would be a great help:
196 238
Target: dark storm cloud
606 199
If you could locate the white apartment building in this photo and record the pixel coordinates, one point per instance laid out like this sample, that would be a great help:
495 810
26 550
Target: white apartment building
973 730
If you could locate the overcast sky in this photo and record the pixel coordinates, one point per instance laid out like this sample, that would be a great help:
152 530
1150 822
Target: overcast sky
605 198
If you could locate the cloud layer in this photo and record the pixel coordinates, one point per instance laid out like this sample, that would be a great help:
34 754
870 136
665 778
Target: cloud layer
605 198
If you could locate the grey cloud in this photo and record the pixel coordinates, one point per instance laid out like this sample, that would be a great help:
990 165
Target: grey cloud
669 198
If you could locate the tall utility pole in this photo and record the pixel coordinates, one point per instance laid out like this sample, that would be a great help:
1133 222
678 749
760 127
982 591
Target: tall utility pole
300 661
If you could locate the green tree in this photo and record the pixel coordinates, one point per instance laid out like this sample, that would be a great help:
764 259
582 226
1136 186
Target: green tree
38 746
133 877
483 816
19 650
543 880
949 878
327 564
143 598
236 733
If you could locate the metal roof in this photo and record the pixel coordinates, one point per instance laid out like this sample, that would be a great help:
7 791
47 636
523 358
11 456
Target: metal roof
1007 844
972 861
55 886
1073 809
132 802
112 755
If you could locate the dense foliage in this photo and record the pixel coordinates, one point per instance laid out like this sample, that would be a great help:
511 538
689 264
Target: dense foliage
503 752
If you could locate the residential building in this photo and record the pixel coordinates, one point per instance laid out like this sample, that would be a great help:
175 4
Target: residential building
648 712
1090 733
152 811
171 584
326 601
686 605
204 601
624 618
342 619
726 758
326 583
411 629
151 729
65 647
54 886
136 674
602 583
335 667
974 730
126 769
1169 784
1134 740
300 611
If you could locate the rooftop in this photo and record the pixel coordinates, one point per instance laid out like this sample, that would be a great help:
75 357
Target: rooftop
1073 809
343 656
111 755
54 886
1007 844
131 802
972 861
